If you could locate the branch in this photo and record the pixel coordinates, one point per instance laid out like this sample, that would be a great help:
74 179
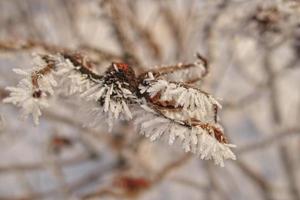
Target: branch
277 137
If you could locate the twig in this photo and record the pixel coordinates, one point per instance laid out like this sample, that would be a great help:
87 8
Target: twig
40 165
214 182
277 137
116 21
171 167
277 120
260 182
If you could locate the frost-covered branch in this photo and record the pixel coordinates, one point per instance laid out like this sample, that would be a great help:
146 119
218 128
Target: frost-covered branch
158 106
180 111
188 73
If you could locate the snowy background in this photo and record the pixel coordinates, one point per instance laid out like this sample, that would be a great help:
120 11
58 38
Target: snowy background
253 49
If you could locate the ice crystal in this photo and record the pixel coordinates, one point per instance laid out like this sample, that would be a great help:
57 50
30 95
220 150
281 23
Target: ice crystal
159 106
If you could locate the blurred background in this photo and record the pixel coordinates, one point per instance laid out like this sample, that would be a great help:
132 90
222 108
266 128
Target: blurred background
253 50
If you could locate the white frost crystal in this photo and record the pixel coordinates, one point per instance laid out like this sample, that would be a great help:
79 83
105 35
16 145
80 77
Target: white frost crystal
33 98
23 95
158 107
195 139
27 96
182 111
194 103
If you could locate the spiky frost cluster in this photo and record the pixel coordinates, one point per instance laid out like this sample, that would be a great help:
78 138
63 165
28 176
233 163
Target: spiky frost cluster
110 93
185 113
156 104
31 93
